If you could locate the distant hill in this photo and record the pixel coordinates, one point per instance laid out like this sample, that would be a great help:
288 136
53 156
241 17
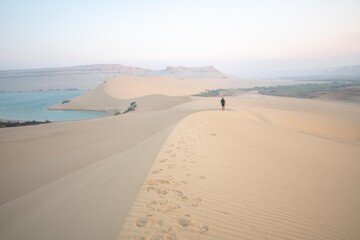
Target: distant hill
89 76
351 72
345 73
346 70
208 71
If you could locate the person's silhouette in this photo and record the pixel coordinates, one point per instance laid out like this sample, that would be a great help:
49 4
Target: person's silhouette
222 101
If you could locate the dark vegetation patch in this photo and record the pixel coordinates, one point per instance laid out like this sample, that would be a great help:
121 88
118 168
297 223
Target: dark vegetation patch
308 90
344 90
132 107
4 124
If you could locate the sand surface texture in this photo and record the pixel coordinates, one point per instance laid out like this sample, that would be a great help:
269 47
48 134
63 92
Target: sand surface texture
268 168
253 173
78 180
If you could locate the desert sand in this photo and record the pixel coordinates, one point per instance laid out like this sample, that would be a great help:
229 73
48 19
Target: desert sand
179 168
152 92
252 175
117 93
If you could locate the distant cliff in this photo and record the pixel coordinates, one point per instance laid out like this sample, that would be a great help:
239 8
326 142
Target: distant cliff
89 76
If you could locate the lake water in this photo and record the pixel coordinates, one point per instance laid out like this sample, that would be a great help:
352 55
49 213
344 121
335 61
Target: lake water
34 105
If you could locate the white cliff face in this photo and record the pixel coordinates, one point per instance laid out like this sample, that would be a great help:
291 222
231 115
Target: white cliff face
181 71
89 76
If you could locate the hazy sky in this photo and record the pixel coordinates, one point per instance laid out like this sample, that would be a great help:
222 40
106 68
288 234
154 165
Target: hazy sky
235 36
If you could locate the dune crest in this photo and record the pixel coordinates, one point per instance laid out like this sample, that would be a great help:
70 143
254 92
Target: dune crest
231 175
117 93
103 98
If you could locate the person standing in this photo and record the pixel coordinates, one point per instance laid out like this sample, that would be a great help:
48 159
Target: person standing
222 101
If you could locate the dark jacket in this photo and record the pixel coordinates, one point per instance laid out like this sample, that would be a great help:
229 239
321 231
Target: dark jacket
222 101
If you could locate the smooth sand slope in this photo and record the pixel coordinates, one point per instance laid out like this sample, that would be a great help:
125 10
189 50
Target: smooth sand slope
151 92
270 168
77 180
253 173
100 99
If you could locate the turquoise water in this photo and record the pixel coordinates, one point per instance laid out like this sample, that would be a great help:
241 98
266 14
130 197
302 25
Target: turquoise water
34 105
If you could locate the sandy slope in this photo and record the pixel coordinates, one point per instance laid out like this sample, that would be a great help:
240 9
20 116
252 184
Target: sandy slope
271 168
117 93
251 174
131 86
77 180
100 98
161 91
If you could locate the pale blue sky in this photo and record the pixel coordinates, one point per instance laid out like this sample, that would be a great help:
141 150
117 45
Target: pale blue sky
235 36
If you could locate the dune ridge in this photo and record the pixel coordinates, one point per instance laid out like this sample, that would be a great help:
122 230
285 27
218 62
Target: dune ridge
235 175
161 92
116 93
102 98
77 180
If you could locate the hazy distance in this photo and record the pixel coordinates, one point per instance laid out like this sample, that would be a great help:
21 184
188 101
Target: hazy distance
237 37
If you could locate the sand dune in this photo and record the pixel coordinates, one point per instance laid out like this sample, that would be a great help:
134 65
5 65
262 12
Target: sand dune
333 120
151 93
100 99
116 94
131 86
77 180
234 175
269 168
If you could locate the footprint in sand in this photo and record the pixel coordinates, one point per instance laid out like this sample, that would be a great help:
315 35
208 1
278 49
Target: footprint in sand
171 166
170 208
152 205
149 189
155 172
141 222
202 177
157 181
157 222
183 222
184 197
194 204
161 191
178 193
163 202
163 160
204 229
173 155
